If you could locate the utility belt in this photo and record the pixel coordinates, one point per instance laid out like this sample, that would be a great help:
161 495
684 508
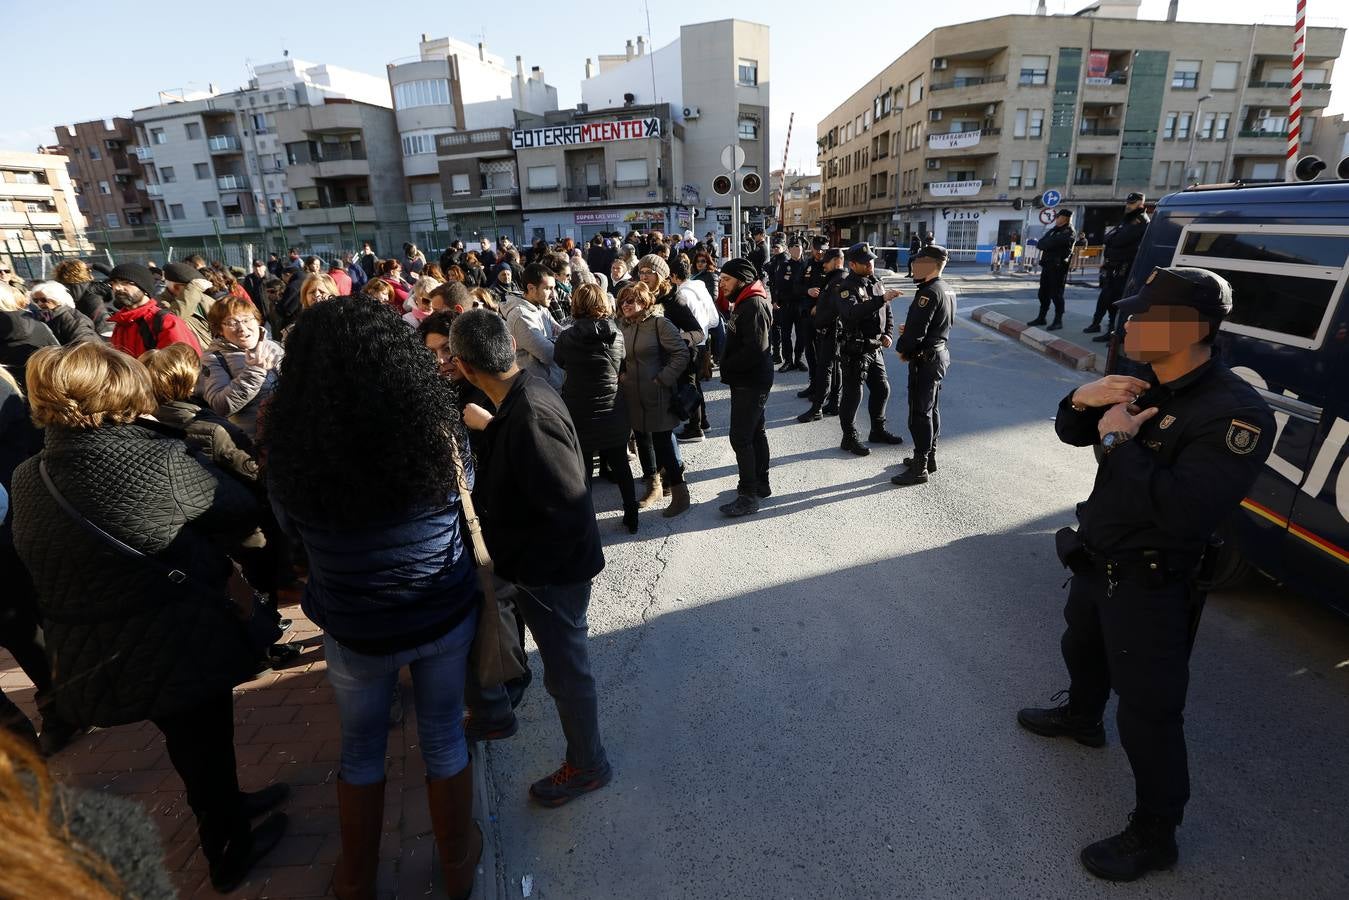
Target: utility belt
927 354
1115 270
859 346
1150 568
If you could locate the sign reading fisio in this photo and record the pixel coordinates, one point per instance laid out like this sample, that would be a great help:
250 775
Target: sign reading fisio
585 133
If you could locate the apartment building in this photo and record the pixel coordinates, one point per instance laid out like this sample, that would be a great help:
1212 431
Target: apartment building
214 162
106 174
800 199
451 86
585 172
343 171
715 77
479 182
38 206
1093 106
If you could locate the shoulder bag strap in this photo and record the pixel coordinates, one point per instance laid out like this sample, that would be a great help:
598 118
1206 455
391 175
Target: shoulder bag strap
480 554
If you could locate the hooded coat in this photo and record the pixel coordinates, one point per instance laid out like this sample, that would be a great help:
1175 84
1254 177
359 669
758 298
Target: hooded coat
192 305
655 357
590 353
70 326
235 388
20 337
535 331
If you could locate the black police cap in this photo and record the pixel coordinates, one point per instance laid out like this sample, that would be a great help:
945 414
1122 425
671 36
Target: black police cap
832 253
933 251
819 242
860 252
1205 292
1063 212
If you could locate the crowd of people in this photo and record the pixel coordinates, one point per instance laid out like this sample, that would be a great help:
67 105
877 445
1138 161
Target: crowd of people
177 446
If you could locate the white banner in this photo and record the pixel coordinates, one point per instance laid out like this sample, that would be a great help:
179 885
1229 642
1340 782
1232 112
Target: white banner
585 133
954 188
953 140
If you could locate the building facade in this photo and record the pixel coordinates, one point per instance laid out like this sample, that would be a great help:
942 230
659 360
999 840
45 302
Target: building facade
39 211
799 199
976 116
601 171
106 173
715 77
480 184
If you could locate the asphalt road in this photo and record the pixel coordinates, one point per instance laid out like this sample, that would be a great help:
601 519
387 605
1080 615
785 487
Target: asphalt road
819 701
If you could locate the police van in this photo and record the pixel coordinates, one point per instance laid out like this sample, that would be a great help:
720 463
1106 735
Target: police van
1285 250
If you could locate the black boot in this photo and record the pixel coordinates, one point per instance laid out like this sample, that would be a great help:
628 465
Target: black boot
1061 721
805 394
630 517
853 445
830 408
255 803
1103 338
1147 843
1038 320
232 850
879 435
909 476
1093 328
931 462
1056 324
811 415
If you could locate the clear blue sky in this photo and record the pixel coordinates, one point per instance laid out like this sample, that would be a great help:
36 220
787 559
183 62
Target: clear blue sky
100 59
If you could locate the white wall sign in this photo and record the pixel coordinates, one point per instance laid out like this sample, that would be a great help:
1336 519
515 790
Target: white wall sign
955 188
585 133
954 140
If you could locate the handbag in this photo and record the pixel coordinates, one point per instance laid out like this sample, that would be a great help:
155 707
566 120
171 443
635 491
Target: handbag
259 619
496 655
684 401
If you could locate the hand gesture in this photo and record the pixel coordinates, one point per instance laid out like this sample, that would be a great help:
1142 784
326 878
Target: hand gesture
814 292
893 294
886 342
1110 390
476 418
1119 418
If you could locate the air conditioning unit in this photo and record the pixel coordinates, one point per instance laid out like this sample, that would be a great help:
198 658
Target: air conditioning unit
991 109
934 115
939 64
1263 114
692 112
1110 112
934 164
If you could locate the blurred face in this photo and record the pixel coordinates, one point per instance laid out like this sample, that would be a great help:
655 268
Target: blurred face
126 295
796 251
542 293
241 330
863 268
727 286
504 276
618 272
702 262
439 344
925 268
259 267
1162 331
41 301
648 276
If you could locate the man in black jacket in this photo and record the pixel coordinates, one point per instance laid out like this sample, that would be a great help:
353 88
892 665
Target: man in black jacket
1056 253
1121 246
787 308
863 307
255 283
922 344
540 529
768 274
747 369
824 266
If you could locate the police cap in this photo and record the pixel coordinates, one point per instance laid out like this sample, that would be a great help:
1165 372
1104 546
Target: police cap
819 242
1203 291
1063 212
832 253
932 251
860 252
1134 197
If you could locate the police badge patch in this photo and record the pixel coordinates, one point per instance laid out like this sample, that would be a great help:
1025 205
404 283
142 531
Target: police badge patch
843 294
922 301
1242 438
1167 422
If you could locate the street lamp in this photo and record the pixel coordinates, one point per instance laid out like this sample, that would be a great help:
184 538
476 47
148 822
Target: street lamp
1194 130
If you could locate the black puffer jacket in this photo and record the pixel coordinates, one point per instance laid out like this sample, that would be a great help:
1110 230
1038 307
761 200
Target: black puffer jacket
94 299
20 337
69 326
591 352
125 643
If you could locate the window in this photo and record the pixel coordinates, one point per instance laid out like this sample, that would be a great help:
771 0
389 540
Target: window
1265 172
167 175
176 211
1169 129
1034 70
632 173
133 218
1220 126
1163 174
1037 123
1031 174
866 120
459 184
259 122
211 208
94 154
1177 173
1214 172
161 212
1183 126
1185 76
192 131
748 130
104 188
428 92
1206 129
1225 76
157 136
541 178
419 143
1014 176
916 90
1019 121
202 170
747 72
111 220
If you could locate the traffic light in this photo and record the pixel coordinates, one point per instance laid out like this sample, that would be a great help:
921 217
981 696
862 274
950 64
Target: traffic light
1018 203
751 183
1308 167
721 184
1038 203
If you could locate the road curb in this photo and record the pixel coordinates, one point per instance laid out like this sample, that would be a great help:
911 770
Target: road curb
491 881
1043 342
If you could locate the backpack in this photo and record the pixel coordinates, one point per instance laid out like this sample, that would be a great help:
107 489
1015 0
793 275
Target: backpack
151 330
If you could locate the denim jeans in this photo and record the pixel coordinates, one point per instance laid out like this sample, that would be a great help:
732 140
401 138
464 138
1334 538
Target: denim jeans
556 615
364 689
659 449
748 438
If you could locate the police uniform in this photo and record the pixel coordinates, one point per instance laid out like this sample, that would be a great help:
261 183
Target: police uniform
864 314
923 344
768 273
1120 246
1135 597
825 375
1056 254
785 274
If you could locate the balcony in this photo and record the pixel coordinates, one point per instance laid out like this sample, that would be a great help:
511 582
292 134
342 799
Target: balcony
223 143
1098 132
1261 133
145 154
333 215
1093 181
239 220
1114 79
232 182
26 191
501 192
1275 94
155 190
587 193
632 183
967 82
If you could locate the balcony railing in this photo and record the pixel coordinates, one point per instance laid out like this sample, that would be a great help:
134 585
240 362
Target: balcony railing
334 152
1093 182
1098 132
239 220
232 182
155 190
1306 86
144 153
587 192
223 143
501 192
1260 133
632 182
1110 80
543 188
968 82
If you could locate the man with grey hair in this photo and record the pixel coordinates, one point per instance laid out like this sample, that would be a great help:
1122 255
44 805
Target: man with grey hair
540 529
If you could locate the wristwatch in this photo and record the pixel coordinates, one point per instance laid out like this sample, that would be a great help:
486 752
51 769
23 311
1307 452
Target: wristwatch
1115 439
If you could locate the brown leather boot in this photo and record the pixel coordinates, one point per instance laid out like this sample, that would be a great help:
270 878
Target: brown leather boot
458 837
360 813
679 500
654 491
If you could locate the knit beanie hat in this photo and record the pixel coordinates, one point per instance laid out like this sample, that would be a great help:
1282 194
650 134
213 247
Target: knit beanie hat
652 261
741 270
136 274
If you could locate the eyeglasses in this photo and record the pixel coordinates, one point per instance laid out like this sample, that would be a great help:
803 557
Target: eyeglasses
239 323
628 302
646 271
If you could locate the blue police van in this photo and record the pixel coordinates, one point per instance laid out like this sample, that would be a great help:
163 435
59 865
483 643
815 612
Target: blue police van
1285 250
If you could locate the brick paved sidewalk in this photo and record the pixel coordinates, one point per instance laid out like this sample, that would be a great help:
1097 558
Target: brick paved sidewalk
286 729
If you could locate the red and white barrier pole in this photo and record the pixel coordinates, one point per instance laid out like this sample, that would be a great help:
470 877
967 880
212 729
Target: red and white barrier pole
1295 90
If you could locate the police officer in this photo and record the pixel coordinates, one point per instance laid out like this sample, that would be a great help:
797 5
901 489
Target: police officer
758 253
1121 246
787 312
922 344
772 279
820 277
863 307
1056 253
1179 452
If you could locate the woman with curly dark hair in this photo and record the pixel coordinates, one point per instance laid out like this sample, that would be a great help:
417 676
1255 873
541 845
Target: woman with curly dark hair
359 453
